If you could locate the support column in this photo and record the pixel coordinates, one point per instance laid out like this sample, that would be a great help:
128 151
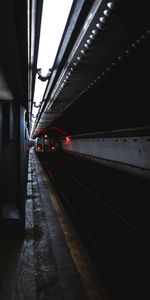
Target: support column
13 169
0 149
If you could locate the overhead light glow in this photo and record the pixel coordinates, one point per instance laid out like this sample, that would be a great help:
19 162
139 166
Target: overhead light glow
40 87
54 17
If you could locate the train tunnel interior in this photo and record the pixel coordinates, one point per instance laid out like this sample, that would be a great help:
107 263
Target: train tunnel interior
88 132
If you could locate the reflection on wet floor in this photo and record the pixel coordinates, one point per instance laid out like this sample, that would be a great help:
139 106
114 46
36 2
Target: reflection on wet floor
50 261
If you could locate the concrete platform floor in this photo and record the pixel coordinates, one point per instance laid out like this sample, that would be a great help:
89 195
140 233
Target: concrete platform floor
50 262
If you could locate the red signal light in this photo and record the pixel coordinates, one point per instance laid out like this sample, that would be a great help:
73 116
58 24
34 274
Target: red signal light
67 140
39 148
45 135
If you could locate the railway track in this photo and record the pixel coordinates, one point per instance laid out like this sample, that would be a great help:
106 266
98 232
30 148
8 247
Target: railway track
117 247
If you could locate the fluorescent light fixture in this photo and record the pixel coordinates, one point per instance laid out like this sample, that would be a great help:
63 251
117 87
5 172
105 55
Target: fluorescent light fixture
40 87
54 17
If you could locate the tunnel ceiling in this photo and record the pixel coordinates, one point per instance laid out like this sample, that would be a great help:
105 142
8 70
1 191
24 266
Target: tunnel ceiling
99 72
118 100
102 72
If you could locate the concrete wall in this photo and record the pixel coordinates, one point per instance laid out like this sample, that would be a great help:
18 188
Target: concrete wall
126 152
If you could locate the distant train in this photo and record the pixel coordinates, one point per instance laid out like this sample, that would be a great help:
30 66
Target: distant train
45 145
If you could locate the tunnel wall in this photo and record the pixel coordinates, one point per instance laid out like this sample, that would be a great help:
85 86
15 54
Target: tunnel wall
129 152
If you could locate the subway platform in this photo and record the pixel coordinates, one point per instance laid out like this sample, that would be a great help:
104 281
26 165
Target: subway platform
51 261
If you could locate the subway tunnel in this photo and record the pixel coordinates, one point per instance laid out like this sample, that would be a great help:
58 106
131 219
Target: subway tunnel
74 150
